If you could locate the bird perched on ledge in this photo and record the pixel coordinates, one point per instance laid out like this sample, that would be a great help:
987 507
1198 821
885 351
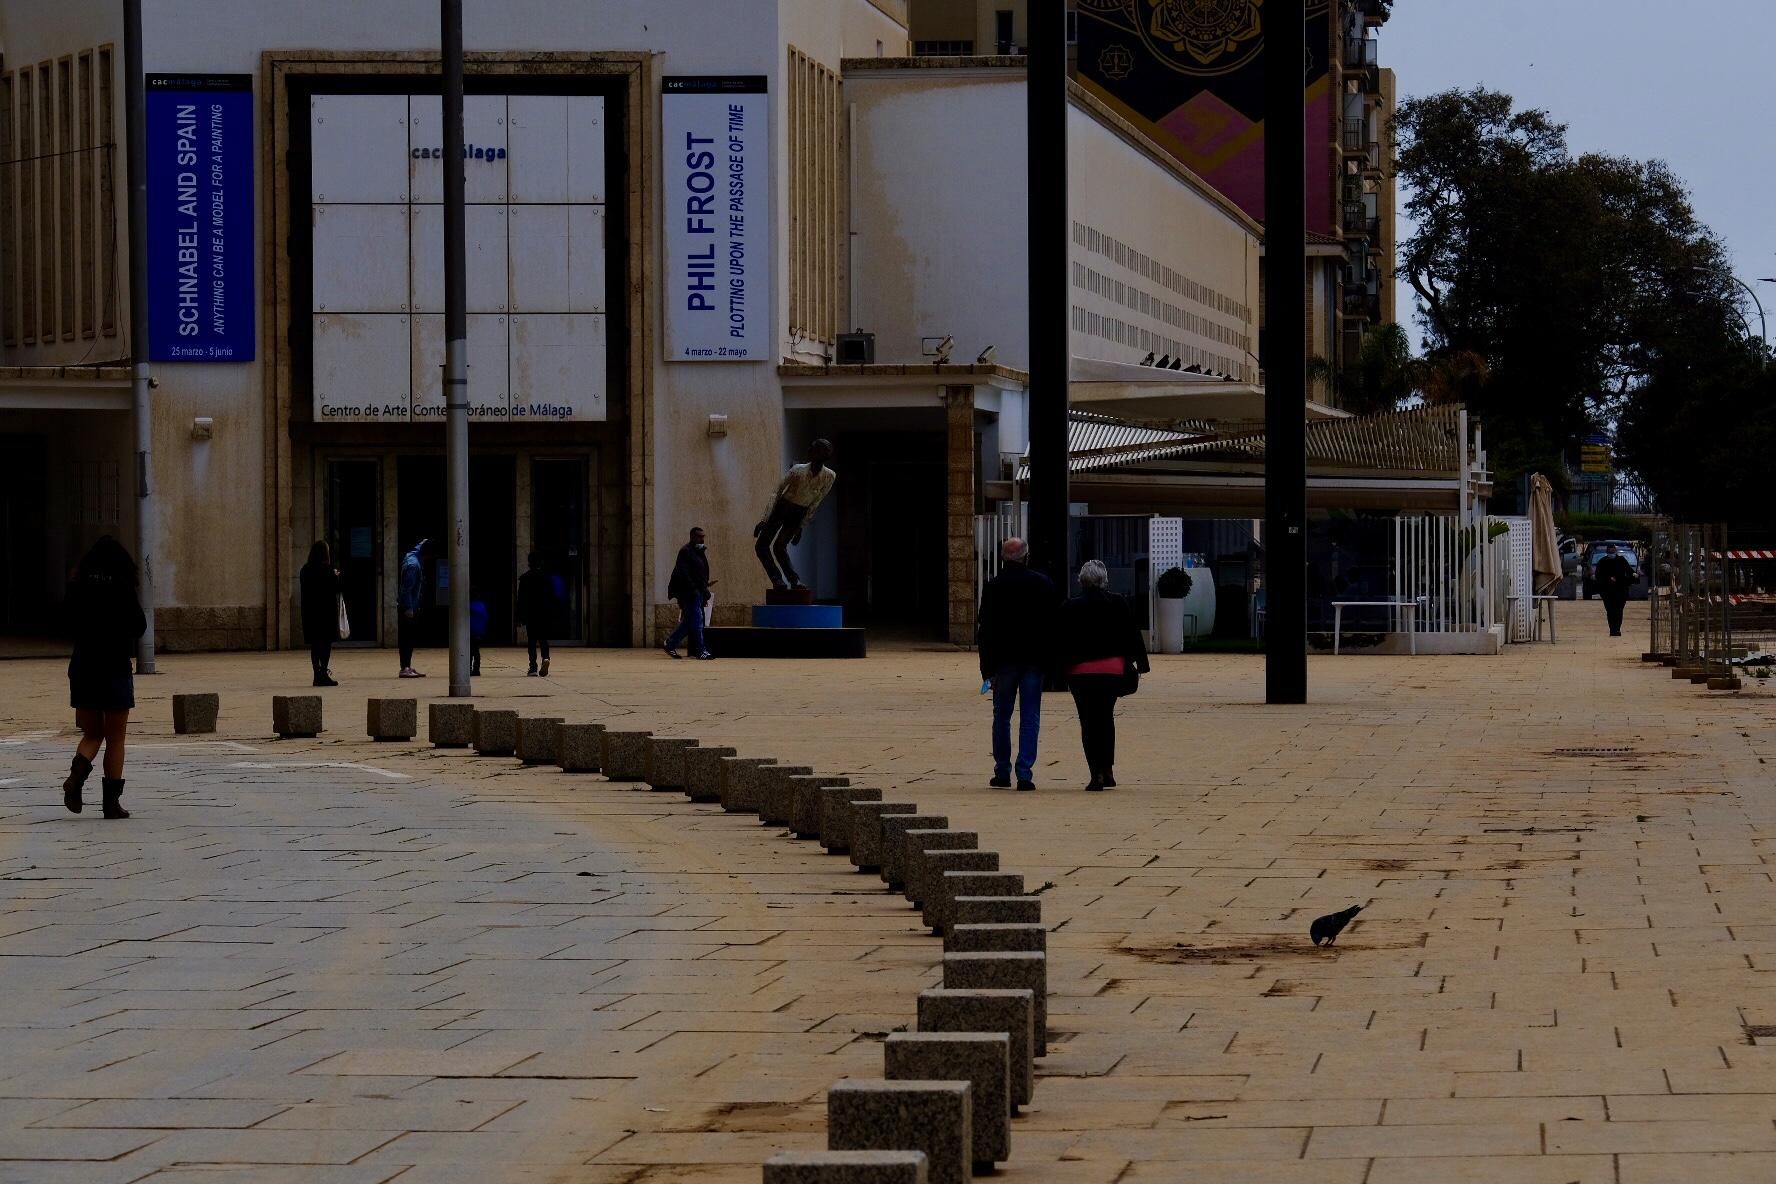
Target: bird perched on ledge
1327 928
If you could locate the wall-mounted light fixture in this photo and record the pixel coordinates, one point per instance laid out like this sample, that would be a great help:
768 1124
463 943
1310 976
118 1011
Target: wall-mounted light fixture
718 426
202 428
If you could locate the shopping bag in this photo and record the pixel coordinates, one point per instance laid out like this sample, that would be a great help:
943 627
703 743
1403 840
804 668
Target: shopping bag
345 628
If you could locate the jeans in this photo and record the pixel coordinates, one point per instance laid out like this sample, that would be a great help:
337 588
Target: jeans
1094 695
404 638
772 547
1021 684
1612 607
537 638
690 624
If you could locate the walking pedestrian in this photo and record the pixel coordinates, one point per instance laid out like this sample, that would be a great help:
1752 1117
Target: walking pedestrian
411 600
107 622
1612 577
689 585
320 611
1103 657
536 610
1012 636
790 511
477 631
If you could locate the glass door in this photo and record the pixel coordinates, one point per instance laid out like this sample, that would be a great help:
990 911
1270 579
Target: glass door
354 534
558 535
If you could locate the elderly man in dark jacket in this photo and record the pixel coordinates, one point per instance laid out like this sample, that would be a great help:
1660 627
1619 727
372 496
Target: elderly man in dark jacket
1012 633
689 586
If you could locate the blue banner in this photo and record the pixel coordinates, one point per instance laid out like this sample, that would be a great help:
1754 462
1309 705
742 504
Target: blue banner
201 300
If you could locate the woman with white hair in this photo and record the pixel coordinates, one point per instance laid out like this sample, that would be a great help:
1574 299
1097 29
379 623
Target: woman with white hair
1103 657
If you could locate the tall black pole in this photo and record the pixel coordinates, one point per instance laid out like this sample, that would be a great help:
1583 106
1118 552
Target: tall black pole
136 161
1050 299
456 348
1285 366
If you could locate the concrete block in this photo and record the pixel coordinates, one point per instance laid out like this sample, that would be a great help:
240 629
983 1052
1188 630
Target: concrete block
946 884
864 835
702 774
913 846
996 910
1011 1012
804 802
539 739
833 813
496 732
982 1059
625 754
929 1116
742 782
579 748
895 825
1004 972
776 795
296 715
195 713
666 761
391 719
846 1167
996 939
450 725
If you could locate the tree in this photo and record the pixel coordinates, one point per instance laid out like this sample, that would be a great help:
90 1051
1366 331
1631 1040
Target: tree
1550 288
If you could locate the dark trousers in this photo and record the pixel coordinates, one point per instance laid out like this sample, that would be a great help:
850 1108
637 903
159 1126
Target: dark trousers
773 543
1094 695
690 624
320 653
1612 606
404 632
537 634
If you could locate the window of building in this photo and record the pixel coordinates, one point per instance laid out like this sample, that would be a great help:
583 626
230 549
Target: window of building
816 140
943 49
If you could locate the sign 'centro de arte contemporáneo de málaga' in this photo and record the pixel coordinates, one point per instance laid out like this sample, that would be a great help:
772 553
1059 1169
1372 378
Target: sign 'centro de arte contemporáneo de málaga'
200 217
716 148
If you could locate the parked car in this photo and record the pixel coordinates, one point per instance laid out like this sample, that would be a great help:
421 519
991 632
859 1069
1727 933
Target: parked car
1570 564
1596 550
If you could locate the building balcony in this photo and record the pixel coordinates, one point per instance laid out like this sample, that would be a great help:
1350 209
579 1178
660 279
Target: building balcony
1362 60
1361 305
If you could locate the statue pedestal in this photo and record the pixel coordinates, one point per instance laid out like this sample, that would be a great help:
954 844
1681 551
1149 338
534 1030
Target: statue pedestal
797 616
789 625
789 596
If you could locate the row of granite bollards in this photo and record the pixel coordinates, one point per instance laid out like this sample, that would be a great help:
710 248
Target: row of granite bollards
942 1109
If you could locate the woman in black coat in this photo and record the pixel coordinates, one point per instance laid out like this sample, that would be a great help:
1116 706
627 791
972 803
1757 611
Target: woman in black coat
320 610
1101 657
106 616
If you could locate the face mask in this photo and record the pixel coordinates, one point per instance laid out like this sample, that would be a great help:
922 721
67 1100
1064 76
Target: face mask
699 546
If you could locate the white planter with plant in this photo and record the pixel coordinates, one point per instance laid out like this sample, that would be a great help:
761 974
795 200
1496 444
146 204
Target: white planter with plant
1170 590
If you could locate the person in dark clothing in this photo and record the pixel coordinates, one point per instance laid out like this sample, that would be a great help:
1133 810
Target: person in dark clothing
1612 577
410 598
320 611
689 586
477 631
107 620
536 611
1102 655
1011 635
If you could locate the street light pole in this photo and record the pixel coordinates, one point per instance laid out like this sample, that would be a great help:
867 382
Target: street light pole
1050 306
456 348
136 150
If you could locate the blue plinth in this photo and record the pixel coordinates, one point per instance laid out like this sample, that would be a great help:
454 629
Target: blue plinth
798 616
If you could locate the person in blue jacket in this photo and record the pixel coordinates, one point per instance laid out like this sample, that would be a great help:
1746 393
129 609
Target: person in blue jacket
411 600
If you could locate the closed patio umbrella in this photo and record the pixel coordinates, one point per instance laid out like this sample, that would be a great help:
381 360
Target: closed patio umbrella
1546 558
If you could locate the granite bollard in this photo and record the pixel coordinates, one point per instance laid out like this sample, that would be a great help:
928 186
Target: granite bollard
832 810
703 772
949 883
625 754
929 1116
538 739
913 846
1004 972
864 834
893 826
940 851
450 725
775 792
391 719
496 732
666 761
193 714
579 748
1011 1012
996 910
846 1167
742 778
296 716
982 1059
995 939
804 802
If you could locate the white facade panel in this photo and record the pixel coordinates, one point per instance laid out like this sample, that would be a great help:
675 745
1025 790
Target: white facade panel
360 258
358 148
484 148
361 368
558 366
585 149
488 386
484 253
557 258
557 148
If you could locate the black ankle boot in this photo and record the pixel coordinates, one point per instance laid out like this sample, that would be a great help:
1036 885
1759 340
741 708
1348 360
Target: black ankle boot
113 790
77 775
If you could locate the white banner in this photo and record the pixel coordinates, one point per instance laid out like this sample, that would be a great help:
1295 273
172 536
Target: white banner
717 213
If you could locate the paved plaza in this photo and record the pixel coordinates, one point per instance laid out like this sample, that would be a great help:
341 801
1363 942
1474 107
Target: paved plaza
341 962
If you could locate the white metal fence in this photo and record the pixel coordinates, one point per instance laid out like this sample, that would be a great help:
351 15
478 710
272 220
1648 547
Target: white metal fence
1458 573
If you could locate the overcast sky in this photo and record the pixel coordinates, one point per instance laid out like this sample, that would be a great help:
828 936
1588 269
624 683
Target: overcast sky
1692 83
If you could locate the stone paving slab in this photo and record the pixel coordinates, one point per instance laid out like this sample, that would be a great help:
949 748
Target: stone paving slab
328 960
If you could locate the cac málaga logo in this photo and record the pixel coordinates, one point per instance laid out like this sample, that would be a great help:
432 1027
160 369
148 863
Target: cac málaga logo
1203 36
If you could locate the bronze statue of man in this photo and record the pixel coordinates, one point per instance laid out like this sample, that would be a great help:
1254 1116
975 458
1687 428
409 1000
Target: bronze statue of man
790 510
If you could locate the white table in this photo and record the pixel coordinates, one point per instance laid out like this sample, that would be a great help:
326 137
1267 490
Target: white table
1407 609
